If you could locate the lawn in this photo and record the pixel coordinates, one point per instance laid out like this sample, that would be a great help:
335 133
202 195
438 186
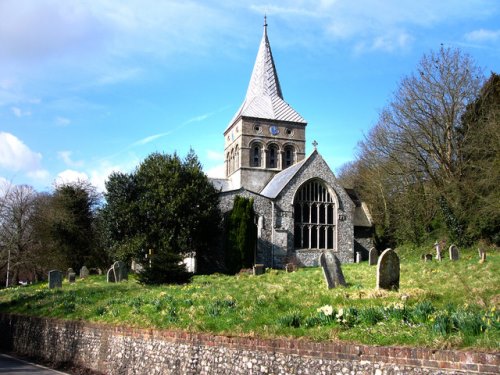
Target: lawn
440 304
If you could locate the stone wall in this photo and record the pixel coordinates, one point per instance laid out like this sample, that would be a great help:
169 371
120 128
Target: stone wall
120 350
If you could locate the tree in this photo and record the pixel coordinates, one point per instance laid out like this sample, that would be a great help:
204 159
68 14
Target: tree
478 188
17 243
73 209
167 206
409 164
241 235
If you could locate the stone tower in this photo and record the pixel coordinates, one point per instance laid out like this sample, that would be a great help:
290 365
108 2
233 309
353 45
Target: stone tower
266 135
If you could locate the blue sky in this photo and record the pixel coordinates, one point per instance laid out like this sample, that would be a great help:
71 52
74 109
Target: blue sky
88 87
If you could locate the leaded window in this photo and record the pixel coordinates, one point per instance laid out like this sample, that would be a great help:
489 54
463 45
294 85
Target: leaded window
315 217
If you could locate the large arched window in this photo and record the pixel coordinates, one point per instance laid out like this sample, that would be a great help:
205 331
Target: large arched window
272 159
236 158
228 164
315 217
288 156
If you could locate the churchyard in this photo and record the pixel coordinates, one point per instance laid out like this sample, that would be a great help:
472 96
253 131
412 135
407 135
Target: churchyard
439 304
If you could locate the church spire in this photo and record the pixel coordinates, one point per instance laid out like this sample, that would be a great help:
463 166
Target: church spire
264 98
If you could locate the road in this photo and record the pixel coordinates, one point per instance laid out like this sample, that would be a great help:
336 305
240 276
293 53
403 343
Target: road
14 366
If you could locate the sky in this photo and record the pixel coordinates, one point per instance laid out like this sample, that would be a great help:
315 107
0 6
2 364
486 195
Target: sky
90 87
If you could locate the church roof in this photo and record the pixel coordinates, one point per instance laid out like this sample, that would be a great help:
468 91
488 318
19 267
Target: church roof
280 180
264 98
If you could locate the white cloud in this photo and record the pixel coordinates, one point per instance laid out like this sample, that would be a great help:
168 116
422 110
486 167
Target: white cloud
39 175
62 121
69 176
483 35
216 172
215 155
18 112
16 156
150 139
65 156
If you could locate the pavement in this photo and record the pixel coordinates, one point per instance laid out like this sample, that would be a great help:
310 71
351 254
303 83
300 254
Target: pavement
15 366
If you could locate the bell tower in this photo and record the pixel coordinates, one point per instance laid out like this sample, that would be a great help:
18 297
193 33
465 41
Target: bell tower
266 135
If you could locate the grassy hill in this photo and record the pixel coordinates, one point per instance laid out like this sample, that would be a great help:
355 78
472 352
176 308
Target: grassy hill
440 304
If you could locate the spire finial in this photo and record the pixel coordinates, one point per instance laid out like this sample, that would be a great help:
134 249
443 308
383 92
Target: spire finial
315 145
265 20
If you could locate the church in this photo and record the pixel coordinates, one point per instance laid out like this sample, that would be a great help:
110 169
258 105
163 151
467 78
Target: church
302 209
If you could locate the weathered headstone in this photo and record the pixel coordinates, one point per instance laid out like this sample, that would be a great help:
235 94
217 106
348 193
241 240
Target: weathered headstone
482 255
372 257
84 272
110 276
454 254
70 270
332 270
71 277
428 257
358 257
290 267
259 269
388 270
120 271
55 279
437 245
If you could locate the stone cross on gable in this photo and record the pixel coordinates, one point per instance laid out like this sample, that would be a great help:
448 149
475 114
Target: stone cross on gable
315 144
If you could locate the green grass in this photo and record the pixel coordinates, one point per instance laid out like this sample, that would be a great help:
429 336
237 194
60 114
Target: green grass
439 305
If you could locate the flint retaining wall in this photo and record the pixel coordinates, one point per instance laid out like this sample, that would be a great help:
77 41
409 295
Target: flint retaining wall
122 350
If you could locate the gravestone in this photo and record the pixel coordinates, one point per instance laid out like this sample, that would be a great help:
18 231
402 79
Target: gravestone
372 257
110 276
437 245
454 254
259 269
290 267
84 272
55 279
482 255
388 270
71 277
118 272
358 257
428 257
331 270
70 270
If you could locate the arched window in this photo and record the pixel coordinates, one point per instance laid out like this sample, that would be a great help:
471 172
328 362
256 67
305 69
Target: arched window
272 161
315 217
228 164
255 155
236 158
288 157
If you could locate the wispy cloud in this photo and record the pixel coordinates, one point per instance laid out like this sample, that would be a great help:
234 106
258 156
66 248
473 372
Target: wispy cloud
65 156
18 112
215 155
483 35
149 139
62 121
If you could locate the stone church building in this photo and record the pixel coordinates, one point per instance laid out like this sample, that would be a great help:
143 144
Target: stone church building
302 209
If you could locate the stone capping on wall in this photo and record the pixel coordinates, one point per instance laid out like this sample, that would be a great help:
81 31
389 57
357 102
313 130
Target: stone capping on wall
15 328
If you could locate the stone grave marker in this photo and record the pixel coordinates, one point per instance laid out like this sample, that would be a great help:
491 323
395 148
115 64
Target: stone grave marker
55 279
110 276
70 270
482 255
358 257
71 277
437 245
118 272
259 269
428 257
290 267
84 272
454 254
388 270
372 257
332 270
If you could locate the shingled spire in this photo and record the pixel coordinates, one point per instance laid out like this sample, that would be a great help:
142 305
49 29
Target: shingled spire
264 98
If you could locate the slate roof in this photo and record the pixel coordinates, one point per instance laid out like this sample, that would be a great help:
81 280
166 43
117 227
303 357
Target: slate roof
264 98
280 180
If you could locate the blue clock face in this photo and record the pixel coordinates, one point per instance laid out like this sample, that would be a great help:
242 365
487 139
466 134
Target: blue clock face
274 130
